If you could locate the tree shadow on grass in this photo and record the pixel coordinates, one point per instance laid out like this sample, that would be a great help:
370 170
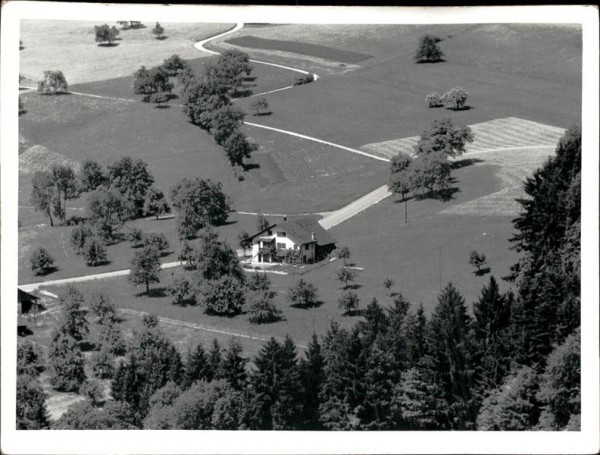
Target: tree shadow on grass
190 301
172 96
250 166
352 313
162 38
424 62
316 304
154 292
482 271
108 44
443 195
162 106
228 223
49 270
262 114
249 78
242 94
466 162
101 263
463 108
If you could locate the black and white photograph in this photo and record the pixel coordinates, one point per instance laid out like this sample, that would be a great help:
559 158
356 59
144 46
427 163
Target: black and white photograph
333 230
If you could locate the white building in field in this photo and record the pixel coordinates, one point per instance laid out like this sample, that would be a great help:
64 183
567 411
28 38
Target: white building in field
300 240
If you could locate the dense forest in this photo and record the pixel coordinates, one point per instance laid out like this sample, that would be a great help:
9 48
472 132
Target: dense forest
512 363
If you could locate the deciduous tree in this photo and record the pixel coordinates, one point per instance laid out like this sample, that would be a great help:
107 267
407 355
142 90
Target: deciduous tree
105 33
32 413
428 50
303 294
54 82
145 267
158 31
443 136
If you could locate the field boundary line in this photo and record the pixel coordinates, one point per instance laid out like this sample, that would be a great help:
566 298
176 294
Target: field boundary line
320 141
203 328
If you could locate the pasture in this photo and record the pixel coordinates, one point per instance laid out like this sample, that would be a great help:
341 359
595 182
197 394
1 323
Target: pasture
70 46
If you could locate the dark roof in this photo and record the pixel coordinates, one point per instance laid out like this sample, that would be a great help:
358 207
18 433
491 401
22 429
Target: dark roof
26 296
300 230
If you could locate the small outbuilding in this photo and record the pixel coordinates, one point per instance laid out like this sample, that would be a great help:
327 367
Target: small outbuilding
28 307
300 240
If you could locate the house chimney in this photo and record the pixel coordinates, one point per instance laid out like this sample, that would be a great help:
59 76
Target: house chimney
312 236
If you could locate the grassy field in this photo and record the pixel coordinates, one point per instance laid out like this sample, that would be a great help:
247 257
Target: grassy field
315 50
70 47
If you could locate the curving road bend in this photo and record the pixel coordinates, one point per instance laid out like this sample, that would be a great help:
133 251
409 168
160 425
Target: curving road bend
200 46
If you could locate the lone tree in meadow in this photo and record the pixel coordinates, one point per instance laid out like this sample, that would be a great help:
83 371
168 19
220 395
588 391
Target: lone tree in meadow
158 31
94 251
41 261
260 106
346 275
428 50
145 267
477 260
344 254
54 82
104 33
303 294
348 302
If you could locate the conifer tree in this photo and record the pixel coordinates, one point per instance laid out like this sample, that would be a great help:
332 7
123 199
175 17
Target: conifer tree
334 410
197 367
233 366
311 371
65 363
215 360
491 334
74 322
418 403
32 413
451 356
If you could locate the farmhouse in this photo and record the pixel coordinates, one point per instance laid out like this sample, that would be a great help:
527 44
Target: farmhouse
298 241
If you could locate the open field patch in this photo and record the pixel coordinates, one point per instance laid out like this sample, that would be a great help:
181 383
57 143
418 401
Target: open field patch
39 158
297 47
71 47
496 134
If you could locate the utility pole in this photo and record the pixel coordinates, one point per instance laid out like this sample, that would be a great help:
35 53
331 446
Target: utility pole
440 265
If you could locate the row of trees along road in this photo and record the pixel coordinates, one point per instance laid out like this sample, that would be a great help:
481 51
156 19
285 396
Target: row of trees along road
429 172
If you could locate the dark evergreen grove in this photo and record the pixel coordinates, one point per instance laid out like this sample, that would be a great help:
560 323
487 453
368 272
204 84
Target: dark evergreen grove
512 363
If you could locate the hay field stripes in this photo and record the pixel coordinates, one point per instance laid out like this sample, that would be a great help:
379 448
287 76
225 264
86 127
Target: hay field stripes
496 134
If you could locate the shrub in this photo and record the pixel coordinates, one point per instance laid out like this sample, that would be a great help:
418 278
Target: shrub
158 241
477 260
41 261
303 295
136 237
222 296
79 235
348 302
262 309
94 251
307 78
93 391
455 99
180 289
434 100
158 31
